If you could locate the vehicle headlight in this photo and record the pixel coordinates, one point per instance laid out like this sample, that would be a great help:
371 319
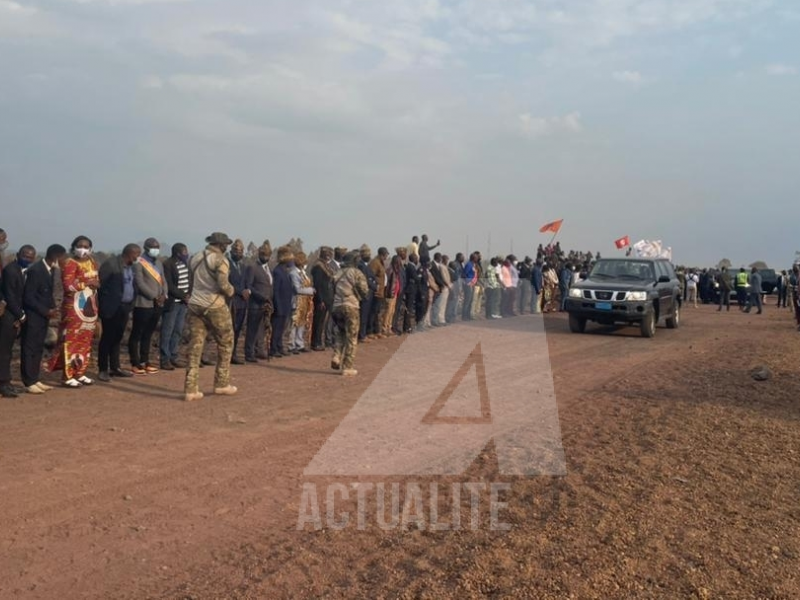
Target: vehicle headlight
636 296
575 293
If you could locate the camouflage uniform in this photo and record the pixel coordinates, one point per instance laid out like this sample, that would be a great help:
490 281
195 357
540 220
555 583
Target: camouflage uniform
350 288
209 313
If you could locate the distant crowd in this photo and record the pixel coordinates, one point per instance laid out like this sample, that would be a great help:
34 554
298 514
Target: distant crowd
260 305
747 286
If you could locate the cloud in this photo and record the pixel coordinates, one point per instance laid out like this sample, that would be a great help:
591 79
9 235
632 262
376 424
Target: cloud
8 6
633 77
780 70
534 127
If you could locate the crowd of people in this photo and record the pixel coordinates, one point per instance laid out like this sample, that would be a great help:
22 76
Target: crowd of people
717 286
265 307
252 308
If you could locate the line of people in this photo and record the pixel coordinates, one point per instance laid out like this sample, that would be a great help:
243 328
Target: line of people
215 295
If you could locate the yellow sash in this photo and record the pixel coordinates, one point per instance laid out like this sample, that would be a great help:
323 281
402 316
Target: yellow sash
152 270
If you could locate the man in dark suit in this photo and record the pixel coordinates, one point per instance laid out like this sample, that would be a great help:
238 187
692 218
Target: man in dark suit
365 256
12 286
257 279
40 307
322 280
283 291
116 297
240 298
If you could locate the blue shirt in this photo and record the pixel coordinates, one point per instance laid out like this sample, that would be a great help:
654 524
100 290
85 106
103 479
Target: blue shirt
469 271
128 292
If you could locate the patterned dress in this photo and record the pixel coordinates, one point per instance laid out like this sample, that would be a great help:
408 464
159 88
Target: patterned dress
304 314
78 318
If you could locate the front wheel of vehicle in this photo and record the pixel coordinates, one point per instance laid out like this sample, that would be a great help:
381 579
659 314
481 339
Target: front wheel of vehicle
577 324
648 326
674 321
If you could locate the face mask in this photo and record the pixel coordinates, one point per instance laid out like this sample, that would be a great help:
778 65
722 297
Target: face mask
82 252
236 257
23 263
3 246
263 260
184 258
153 252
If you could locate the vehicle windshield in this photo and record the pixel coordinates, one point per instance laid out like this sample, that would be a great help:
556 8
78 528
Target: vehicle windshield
623 269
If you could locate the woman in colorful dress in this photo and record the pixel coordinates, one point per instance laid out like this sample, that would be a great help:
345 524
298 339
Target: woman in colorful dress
550 287
303 316
80 280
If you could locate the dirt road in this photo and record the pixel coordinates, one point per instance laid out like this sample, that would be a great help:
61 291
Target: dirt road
682 481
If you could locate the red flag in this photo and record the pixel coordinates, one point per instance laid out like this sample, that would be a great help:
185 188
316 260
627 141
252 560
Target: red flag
555 226
622 242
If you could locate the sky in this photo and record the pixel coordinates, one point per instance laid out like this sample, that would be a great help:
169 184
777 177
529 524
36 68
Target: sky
361 121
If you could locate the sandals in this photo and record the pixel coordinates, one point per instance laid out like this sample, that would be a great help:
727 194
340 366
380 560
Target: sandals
72 383
85 380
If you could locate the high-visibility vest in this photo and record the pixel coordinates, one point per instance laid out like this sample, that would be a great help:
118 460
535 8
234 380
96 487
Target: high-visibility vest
741 279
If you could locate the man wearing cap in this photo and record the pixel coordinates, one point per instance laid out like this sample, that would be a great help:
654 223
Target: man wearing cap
209 313
282 295
350 289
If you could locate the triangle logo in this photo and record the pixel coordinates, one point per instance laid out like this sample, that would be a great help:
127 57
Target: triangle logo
460 391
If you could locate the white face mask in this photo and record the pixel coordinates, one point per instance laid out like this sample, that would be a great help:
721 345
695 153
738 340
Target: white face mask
3 246
82 252
153 252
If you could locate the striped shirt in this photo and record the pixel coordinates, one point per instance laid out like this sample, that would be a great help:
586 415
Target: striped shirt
183 278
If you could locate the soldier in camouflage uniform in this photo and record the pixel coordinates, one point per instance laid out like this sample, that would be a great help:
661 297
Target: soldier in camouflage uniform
209 313
350 288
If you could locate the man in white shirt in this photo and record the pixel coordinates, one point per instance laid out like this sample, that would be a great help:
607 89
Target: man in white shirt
691 287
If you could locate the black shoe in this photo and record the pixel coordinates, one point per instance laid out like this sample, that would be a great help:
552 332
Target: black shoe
178 364
7 391
250 359
104 376
262 356
120 373
237 361
167 366
207 363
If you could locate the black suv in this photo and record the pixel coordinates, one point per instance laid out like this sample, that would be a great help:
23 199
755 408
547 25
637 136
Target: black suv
635 291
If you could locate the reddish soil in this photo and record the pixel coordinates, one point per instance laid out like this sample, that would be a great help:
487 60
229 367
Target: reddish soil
682 482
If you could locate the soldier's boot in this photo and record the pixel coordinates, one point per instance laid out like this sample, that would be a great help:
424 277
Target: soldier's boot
349 372
228 390
335 365
192 396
